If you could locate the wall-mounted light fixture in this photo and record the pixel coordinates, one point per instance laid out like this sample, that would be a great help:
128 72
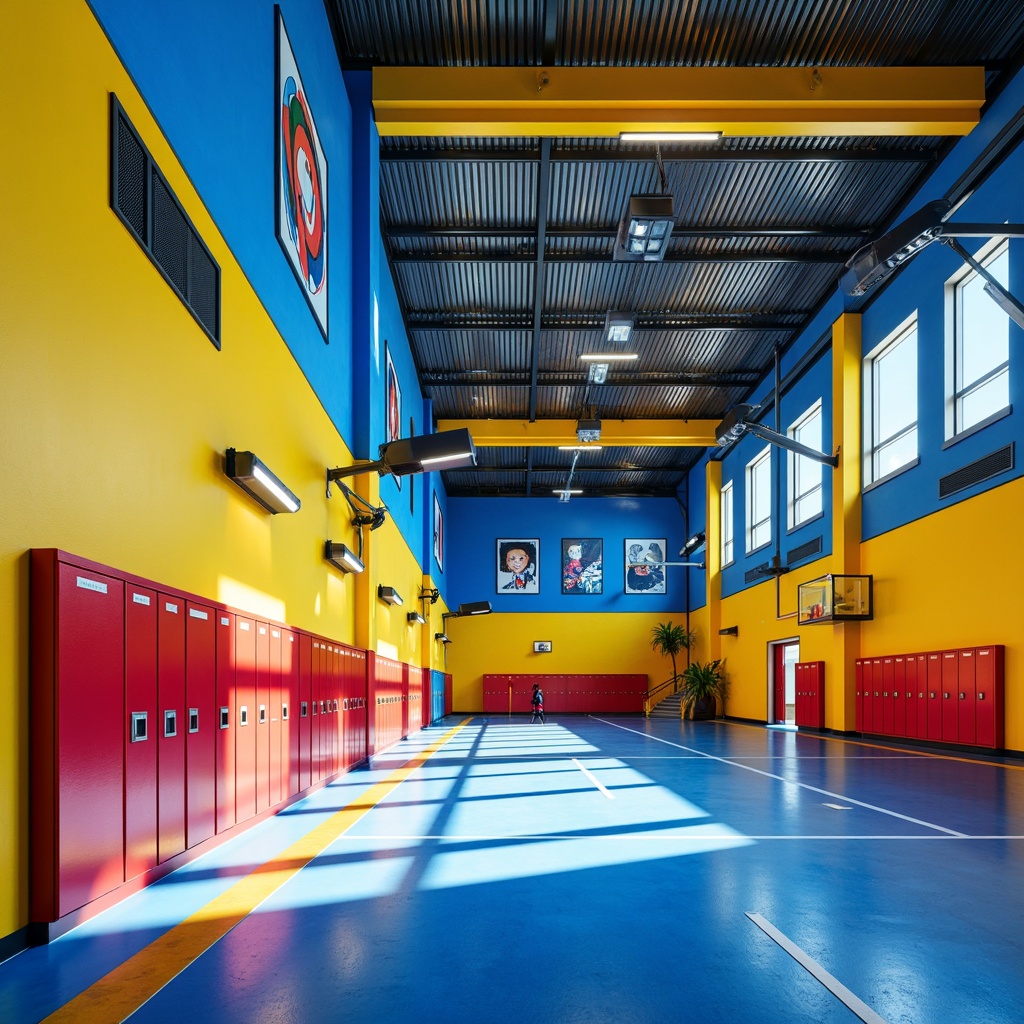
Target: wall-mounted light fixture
443 637
416 619
426 453
693 545
342 558
648 560
729 631
430 595
388 594
469 608
259 482
739 420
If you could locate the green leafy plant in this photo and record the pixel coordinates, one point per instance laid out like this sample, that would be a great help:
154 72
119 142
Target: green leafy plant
703 685
670 640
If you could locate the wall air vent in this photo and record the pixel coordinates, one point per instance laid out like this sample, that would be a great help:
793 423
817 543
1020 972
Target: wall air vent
141 197
798 554
757 573
975 472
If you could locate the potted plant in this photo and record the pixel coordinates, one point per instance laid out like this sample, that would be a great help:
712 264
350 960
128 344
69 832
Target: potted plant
703 684
669 640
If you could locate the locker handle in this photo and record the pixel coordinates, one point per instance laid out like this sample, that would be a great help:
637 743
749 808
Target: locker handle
981 696
170 724
225 717
945 696
140 729
193 719
963 696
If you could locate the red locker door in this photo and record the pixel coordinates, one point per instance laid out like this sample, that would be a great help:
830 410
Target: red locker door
966 698
361 735
274 711
171 727
289 713
950 709
910 691
77 721
934 692
989 697
873 697
888 676
859 683
201 737
799 703
305 710
262 716
245 720
899 696
315 760
140 852
227 721
922 697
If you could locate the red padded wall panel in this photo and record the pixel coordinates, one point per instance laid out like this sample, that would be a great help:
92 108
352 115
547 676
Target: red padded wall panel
200 723
171 727
140 734
227 721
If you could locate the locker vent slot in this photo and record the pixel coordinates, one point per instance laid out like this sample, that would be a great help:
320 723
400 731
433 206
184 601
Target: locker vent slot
141 197
981 469
812 547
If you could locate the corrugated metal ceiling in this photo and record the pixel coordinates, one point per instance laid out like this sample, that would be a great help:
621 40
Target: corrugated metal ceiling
763 225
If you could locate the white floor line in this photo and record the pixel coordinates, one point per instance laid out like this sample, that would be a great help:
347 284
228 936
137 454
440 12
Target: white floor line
610 796
790 782
645 837
840 991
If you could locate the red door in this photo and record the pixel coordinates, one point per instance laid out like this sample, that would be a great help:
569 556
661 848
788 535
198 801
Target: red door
778 711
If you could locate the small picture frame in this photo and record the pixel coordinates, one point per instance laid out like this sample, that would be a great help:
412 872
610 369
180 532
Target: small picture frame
518 565
541 646
643 575
582 565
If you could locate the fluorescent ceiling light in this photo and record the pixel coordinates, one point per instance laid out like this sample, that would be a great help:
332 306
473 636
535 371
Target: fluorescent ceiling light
564 490
670 136
609 357
580 447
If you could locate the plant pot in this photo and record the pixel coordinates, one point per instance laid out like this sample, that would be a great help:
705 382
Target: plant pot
705 708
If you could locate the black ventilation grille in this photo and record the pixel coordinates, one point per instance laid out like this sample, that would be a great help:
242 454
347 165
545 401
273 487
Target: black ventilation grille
812 547
981 469
143 200
759 572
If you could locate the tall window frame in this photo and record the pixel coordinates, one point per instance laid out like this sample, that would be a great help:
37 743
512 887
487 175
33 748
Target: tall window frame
804 476
727 525
759 500
977 346
890 415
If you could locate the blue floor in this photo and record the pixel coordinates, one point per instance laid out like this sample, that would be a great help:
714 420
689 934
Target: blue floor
604 871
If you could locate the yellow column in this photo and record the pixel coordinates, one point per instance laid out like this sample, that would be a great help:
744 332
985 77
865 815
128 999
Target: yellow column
713 557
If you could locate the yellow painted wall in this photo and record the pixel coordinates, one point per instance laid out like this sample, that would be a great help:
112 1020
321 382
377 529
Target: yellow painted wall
117 409
581 643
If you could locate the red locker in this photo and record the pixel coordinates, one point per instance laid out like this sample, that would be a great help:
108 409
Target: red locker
77 716
910 690
966 698
201 723
934 692
170 687
922 696
950 709
810 694
899 696
262 716
289 713
361 732
305 710
140 741
859 693
872 695
989 697
245 717
888 710
315 756
227 721
274 711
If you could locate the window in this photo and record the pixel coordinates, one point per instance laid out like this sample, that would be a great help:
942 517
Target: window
727 528
759 501
890 398
980 347
804 478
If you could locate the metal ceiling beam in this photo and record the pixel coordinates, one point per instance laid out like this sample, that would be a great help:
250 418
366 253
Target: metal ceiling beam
652 322
493 379
603 101
671 433
679 231
492 256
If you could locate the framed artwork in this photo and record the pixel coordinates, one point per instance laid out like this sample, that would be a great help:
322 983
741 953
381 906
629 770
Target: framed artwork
438 534
518 566
392 399
582 569
301 181
641 576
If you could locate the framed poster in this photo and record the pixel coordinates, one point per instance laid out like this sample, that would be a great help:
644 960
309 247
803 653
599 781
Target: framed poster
301 181
518 566
582 571
641 576
438 534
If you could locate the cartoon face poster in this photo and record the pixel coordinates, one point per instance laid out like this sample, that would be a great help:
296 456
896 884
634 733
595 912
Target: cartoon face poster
582 566
518 566
643 575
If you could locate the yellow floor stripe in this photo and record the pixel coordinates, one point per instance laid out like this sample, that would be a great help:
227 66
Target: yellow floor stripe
121 992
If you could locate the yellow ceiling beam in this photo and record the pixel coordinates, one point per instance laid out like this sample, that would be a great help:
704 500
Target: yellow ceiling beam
584 102
614 433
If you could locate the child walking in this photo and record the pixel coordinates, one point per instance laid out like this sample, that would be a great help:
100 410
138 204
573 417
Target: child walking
537 703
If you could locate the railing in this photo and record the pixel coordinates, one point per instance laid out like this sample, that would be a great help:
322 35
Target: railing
661 691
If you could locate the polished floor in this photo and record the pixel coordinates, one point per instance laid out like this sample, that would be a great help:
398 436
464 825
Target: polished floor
587 871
